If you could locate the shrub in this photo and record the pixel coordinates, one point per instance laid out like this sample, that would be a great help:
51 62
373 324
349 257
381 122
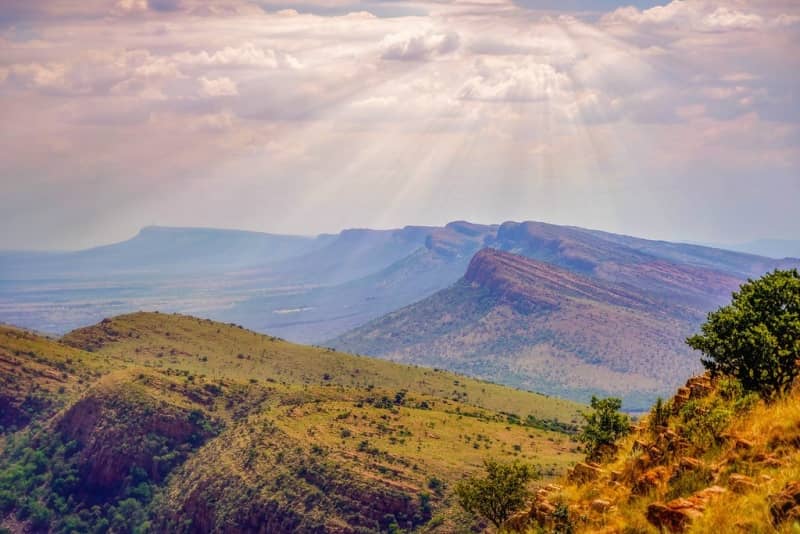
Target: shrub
704 425
563 523
659 416
501 492
436 485
756 338
603 427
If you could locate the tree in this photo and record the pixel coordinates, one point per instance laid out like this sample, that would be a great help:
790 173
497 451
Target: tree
756 338
603 427
501 492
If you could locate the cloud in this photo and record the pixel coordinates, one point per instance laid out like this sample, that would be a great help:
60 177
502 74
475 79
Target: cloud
403 102
164 5
699 15
246 55
514 81
218 87
419 47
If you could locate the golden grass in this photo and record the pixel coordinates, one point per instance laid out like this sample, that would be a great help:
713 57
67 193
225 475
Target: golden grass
223 351
772 429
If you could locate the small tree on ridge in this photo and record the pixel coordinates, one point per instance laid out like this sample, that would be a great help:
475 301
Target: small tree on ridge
756 338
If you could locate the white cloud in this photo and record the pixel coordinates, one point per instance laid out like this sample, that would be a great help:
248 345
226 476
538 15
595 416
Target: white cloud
514 81
218 87
419 47
700 15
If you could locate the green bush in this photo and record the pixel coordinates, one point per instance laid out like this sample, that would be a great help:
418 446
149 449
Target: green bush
704 425
603 427
497 495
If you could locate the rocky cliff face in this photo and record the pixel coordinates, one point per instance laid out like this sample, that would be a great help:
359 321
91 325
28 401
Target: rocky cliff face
120 425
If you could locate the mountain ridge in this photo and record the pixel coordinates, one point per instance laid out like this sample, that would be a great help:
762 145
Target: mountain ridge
540 326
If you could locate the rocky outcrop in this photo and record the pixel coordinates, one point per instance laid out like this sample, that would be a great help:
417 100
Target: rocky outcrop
696 387
585 472
540 511
651 480
741 483
676 515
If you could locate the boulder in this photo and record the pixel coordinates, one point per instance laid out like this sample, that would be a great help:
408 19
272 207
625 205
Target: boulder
741 483
785 505
518 522
542 512
650 480
674 516
585 472
699 386
687 463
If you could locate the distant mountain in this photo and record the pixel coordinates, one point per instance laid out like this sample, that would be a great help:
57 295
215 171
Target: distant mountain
347 256
515 316
542 327
159 251
319 313
655 266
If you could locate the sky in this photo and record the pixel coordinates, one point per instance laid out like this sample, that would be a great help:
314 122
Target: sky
674 120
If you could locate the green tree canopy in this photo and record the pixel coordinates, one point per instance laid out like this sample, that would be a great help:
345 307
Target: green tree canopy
603 426
500 493
756 338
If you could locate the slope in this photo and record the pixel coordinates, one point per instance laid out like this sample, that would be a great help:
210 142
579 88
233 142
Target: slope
534 325
185 425
320 313
712 460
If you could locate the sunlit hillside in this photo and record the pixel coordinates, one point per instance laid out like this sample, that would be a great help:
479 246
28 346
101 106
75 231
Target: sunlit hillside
188 425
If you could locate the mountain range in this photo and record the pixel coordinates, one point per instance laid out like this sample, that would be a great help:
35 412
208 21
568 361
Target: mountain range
389 292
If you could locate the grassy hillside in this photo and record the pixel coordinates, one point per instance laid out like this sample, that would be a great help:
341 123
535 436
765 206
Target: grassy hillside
721 461
38 376
199 346
170 423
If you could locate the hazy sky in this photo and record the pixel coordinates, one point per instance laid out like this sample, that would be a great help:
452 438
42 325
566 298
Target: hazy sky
677 121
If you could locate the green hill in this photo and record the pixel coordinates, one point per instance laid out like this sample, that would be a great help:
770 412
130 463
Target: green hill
154 422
